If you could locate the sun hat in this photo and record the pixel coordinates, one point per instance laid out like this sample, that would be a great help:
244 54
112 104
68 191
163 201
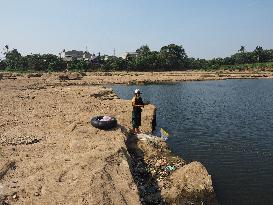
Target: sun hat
137 91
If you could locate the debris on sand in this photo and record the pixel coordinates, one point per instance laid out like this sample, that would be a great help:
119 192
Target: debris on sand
156 170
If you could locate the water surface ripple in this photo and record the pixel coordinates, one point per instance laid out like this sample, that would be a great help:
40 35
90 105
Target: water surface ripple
226 125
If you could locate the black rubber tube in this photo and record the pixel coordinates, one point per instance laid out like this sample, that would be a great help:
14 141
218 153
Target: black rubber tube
104 125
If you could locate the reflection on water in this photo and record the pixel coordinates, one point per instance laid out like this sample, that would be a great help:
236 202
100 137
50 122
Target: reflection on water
227 125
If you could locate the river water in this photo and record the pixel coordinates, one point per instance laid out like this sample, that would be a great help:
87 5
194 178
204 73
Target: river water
226 125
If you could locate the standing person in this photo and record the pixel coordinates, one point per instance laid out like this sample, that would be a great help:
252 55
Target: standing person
137 104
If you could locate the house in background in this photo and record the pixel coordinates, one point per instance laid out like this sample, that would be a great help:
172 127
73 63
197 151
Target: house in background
129 55
77 55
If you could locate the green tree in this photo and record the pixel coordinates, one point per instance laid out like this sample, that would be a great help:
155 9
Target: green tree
146 60
13 60
53 63
79 65
144 50
260 54
173 57
242 58
113 63
193 63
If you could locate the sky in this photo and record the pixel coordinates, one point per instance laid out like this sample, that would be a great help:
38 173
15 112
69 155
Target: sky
205 28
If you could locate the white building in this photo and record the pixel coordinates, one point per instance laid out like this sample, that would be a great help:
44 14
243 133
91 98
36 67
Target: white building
77 55
128 55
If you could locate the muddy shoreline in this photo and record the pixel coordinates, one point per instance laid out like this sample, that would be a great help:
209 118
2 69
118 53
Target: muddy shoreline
58 157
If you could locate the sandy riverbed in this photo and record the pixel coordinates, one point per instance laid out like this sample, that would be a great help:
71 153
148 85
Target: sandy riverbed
59 158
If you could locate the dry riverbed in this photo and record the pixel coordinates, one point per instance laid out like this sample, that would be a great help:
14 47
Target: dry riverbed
50 154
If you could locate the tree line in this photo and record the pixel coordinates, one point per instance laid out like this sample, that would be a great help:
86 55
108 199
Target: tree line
168 58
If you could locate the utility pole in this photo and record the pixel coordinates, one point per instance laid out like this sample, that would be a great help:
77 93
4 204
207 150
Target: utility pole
114 52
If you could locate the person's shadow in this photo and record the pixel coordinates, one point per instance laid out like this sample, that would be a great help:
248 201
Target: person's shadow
147 185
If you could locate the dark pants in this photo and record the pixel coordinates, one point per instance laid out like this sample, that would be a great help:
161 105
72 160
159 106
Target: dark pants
136 119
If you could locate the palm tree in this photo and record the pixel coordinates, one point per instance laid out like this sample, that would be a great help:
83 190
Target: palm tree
7 47
242 49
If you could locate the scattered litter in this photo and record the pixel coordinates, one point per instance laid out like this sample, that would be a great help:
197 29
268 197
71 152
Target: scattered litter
164 134
15 196
106 118
169 168
165 138
155 166
147 137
